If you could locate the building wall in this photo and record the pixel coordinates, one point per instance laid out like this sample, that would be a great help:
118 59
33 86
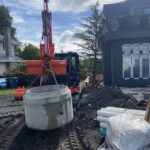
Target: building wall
2 51
2 68
107 63
7 54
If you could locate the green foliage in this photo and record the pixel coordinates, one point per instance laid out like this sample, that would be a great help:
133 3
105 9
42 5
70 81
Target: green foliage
29 52
83 68
86 67
20 69
6 20
7 91
18 51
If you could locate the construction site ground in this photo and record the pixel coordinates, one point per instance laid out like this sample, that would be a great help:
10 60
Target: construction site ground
84 121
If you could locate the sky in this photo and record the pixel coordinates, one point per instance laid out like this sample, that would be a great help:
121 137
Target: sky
66 18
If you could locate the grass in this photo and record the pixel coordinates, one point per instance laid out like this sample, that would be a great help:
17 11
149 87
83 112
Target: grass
6 91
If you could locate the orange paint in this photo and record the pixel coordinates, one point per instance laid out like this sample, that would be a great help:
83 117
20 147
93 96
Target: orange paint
19 93
35 67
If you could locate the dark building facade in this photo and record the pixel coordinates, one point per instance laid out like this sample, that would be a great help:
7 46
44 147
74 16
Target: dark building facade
126 43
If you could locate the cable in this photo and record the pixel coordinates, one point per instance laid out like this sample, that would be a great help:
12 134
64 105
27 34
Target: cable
52 72
61 104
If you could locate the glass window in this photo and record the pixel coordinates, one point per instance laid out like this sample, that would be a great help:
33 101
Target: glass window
126 66
136 65
145 65
138 11
147 11
136 62
74 62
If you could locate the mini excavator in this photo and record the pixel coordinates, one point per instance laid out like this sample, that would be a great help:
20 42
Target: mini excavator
61 68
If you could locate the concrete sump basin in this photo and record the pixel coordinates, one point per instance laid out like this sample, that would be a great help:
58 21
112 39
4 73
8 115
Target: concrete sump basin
48 107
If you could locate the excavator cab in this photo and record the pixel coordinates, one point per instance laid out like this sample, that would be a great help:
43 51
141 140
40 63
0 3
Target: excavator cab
72 78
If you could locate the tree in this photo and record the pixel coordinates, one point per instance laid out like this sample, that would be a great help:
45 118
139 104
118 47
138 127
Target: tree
29 52
83 68
19 69
6 20
91 47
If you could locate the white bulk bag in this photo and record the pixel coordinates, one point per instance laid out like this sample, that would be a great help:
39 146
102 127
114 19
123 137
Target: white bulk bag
126 132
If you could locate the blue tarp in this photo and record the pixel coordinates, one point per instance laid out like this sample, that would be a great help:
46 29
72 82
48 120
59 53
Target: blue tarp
3 83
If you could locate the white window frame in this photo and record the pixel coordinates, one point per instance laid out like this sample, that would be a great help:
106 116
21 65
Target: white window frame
126 49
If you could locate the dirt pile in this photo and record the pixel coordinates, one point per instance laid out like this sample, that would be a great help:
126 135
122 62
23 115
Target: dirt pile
105 97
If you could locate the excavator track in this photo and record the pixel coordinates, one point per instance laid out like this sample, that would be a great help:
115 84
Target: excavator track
70 139
9 131
61 139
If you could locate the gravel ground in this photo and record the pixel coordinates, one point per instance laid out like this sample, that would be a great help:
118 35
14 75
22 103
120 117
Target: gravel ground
8 100
37 140
8 106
